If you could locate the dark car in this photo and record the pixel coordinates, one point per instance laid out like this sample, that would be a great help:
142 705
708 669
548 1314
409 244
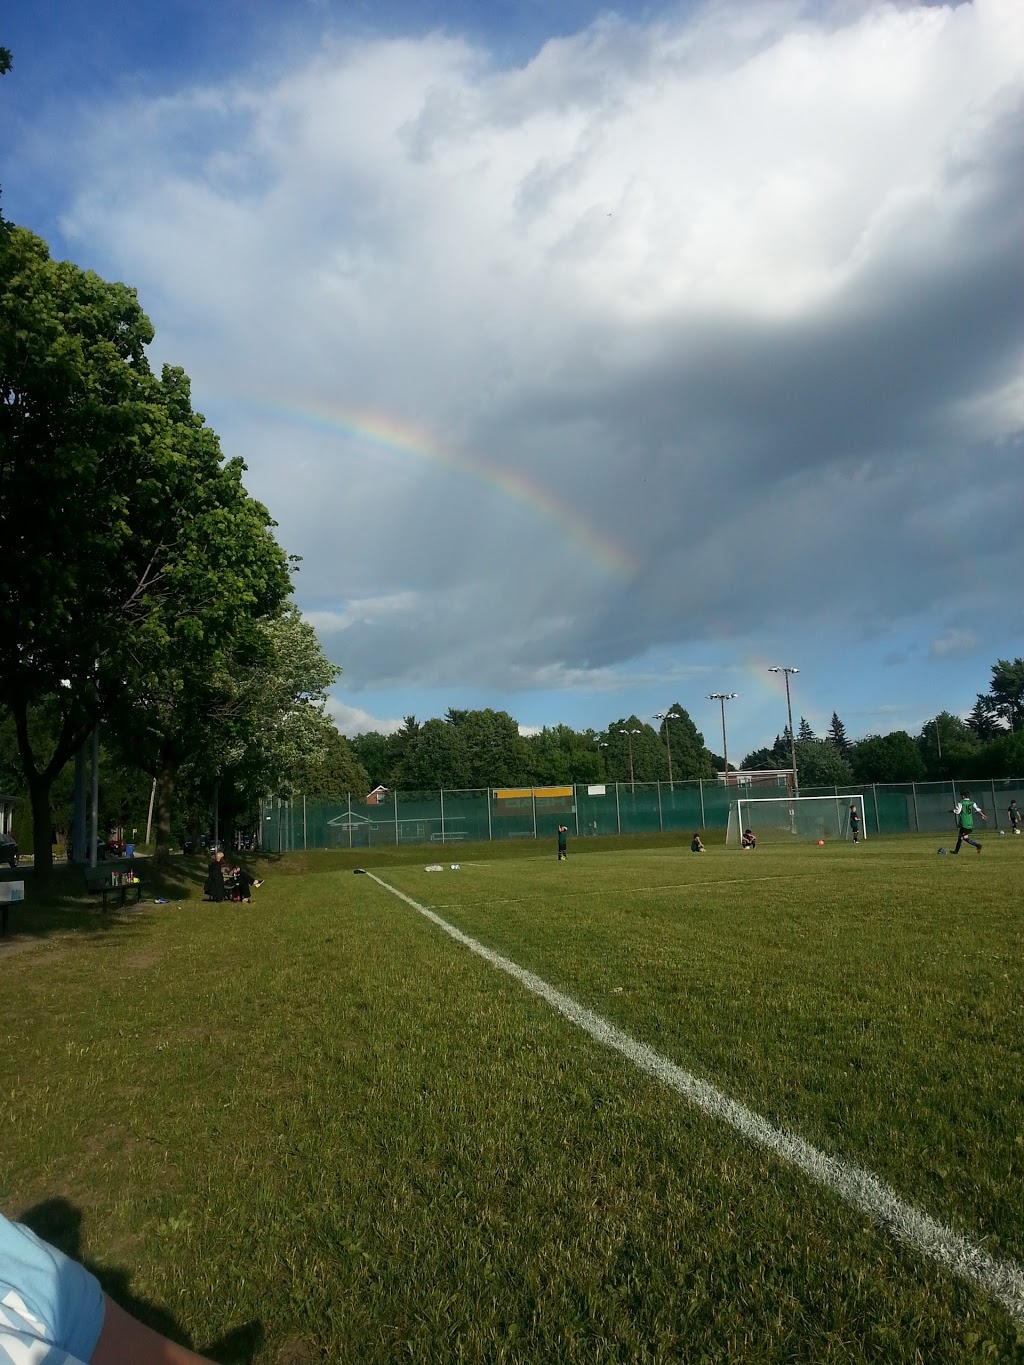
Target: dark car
8 849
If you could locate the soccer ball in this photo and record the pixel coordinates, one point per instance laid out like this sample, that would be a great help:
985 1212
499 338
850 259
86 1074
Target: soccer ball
821 843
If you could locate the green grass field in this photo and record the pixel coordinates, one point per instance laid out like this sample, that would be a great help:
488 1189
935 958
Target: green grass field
317 1128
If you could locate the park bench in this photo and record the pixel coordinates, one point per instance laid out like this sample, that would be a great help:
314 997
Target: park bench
115 880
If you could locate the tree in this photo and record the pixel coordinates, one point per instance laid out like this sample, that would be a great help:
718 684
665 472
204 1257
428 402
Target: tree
560 755
820 764
837 735
690 758
886 758
1007 690
775 756
984 719
495 750
436 758
805 732
126 541
375 753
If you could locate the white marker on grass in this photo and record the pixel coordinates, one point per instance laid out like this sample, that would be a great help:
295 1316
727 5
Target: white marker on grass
1003 1280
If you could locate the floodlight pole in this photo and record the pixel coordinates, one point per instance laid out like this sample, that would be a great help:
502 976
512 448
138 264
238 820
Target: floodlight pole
629 736
938 736
666 716
786 670
723 697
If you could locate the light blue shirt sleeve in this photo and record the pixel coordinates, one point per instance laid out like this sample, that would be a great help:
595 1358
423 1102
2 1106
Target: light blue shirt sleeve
45 1298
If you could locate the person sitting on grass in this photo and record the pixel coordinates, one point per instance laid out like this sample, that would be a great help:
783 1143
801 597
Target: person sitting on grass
53 1309
748 840
696 846
244 884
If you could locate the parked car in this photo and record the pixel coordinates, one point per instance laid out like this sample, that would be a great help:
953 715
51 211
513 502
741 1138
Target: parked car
8 849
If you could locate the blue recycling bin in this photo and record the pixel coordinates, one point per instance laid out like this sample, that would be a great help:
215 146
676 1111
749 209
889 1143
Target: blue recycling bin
129 850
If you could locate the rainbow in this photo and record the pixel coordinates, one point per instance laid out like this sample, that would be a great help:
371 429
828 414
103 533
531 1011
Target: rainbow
388 433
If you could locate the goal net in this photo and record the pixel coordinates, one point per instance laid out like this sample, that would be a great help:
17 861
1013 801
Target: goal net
786 818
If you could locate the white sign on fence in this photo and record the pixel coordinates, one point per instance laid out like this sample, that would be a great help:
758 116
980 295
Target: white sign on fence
12 891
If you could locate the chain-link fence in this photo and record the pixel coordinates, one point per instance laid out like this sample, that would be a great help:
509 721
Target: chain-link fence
590 809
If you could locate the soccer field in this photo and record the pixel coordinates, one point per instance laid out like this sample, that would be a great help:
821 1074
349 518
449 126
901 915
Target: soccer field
323 1128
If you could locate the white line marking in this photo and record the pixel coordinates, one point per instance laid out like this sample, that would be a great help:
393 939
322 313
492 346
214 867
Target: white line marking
1003 1280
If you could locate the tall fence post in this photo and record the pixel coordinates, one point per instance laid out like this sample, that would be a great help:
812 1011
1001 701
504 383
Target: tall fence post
874 797
490 833
441 791
700 783
305 842
917 817
618 822
397 836
995 808
661 822
350 819
533 798
576 808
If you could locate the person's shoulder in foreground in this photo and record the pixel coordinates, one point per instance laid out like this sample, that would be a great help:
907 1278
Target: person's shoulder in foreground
53 1312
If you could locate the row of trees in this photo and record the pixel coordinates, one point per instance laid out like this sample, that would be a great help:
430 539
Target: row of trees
485 748
144 591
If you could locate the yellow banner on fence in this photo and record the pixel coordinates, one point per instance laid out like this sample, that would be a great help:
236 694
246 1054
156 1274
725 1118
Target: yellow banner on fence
524 793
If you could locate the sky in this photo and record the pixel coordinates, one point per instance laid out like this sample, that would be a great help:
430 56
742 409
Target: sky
592 358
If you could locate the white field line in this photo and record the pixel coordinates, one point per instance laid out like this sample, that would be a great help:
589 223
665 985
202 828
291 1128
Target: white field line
1003 1280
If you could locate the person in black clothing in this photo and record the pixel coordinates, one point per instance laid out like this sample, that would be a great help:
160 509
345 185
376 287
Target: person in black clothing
854 822
563 841
213 888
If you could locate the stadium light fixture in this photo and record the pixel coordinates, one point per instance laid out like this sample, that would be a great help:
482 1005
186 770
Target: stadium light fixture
666 716
723 697
786 670
938 736
629 736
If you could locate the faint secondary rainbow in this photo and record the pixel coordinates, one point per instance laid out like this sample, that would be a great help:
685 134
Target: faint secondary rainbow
387 433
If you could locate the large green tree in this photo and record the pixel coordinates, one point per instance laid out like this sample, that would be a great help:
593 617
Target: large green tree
887 758
125 538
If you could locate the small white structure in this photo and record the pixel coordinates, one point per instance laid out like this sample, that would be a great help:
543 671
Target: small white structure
7 805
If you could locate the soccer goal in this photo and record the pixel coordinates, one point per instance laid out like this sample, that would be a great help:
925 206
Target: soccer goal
779 818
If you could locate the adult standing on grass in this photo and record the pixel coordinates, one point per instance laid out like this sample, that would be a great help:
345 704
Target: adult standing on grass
214 888
964 811
563 842
52 1309
854 822
1013 816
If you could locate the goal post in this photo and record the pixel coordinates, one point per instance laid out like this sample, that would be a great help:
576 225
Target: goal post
777 819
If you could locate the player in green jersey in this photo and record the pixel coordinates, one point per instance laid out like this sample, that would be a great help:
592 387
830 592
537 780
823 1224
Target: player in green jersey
964 811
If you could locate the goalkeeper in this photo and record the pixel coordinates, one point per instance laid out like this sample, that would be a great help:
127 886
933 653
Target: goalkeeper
965 810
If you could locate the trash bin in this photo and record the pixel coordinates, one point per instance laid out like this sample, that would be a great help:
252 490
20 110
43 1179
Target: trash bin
129 850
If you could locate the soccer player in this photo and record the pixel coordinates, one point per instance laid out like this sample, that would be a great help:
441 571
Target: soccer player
1013 815
748 840
964 811
695 844
854 822
563 840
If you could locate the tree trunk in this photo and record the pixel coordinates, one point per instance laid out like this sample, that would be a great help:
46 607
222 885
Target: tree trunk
164 792
42 827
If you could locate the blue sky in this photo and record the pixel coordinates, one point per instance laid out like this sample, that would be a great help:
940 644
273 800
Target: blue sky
593 358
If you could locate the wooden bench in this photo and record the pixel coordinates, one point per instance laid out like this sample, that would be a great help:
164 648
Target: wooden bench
115 879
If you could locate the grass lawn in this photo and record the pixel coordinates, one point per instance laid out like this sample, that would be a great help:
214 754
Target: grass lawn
316 1128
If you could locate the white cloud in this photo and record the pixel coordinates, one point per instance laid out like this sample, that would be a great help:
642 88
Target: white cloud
541 369
351 720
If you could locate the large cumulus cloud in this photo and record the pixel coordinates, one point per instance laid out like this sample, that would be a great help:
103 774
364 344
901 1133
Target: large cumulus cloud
725 305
